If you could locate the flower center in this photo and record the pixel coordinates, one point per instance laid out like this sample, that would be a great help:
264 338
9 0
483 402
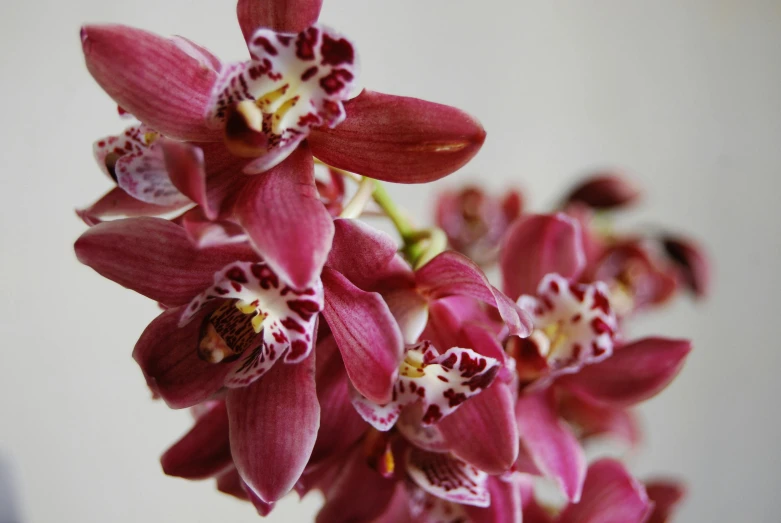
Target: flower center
228 331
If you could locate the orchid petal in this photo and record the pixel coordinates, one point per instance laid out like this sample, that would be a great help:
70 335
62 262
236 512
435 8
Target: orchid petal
358 493
154 257
204 451
665 495
448 478
293 84
425 508
151 77
552 446
144 176
204 233
450 274
340 425
692 261
410 310
426 437
184 164
283 16
366 333
285 220
399 139
440 382
606 190
633 374
229 482
117 202
287 318
169 360
505 502
486 417
273 426
610 495
538 245
109 149
593 420
360 252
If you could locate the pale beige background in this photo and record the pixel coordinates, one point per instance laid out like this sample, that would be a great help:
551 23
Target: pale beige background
684 94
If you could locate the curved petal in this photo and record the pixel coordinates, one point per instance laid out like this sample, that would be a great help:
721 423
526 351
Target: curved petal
665 495
598 420
448 478
273 426
169 359
607 190
633 374
368 337
117 202
154 257
505 502
360 252
399 139
610 495
184 164
143 175
453 274
538 245
551 445
204 451
286 221
229 482
488 417
692 261
282 16
151 77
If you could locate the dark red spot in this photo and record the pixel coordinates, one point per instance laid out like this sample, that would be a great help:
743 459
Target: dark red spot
297 349
291 324
236 274
266 278
442 378
577 291
304 308
335 81
601 302
598 351
262 41
455 398
336 52
433 414
450 361
305 44
554 287
600 327
576 318
482 381
284 39
471 366
309 73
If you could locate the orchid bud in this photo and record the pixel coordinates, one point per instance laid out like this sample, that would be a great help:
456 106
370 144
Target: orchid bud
604 191
692 262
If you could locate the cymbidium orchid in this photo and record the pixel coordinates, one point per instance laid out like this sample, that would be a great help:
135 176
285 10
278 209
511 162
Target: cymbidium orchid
320 354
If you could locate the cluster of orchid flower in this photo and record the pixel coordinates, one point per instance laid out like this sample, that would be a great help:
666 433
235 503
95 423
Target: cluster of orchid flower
318 353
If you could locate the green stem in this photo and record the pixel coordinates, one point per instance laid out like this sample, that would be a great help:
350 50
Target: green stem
386 203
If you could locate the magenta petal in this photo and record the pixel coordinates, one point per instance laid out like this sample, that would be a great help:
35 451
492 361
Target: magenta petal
151 77
453 274
168 356
229 482
599 420
505 502
340 424
273 425
360 252
286 221
155 258
185 165
692 261
606 190
399 139
632 374
282 16
367 335
116 203
487 417
552 446
610 495
537 245
204 451
665 495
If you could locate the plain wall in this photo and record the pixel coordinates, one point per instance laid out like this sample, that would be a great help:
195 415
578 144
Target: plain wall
684 95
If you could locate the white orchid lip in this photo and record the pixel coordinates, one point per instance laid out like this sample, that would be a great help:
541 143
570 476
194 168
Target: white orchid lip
261 320
293 83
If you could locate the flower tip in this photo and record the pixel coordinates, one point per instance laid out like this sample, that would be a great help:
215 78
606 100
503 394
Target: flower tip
605 190
84 36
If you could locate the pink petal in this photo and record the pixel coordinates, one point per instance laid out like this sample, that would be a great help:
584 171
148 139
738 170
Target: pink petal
360 252
666 495
693 262
448 478
607 190
153 257
229 482
368 337
143 175
358 493
151 77
486 417
610 495
185 166
598 420
538 245
505 502
117 202
203 232
399 139
169 359
552 446
282 16
204 451
340 425
633 374
286 221
273 425
410 310
453 274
